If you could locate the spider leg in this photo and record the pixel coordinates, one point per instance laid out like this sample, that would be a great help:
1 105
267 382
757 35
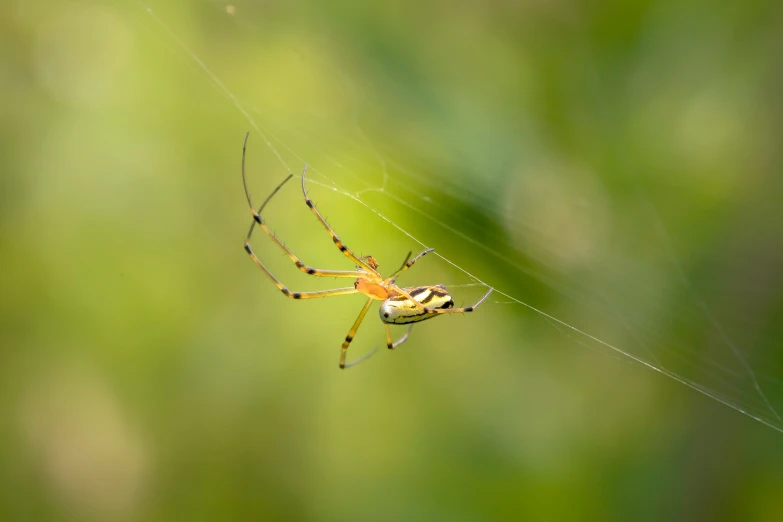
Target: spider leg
407 258
392 345
257 220
389 344
337 242
361 359
407 264
298 295
352 332
435 311
353 274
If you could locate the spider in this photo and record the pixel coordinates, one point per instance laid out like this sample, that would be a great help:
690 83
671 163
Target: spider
400 305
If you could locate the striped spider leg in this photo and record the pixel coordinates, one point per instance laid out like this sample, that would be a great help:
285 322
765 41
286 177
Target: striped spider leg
399 305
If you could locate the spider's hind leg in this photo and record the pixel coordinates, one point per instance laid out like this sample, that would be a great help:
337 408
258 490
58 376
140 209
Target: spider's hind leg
389 345
435 311
392 345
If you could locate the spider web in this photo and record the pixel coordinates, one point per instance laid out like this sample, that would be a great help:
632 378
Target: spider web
590 295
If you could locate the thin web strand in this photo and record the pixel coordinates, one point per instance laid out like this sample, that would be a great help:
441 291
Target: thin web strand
661 229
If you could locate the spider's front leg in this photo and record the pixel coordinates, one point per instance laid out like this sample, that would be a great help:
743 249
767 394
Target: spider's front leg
259 221
336 240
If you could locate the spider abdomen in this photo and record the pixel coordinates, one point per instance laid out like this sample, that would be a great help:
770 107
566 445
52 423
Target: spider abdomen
400 310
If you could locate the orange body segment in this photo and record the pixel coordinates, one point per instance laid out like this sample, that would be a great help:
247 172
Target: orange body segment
371 289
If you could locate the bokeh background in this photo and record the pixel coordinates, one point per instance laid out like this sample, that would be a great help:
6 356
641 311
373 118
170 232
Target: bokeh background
615 165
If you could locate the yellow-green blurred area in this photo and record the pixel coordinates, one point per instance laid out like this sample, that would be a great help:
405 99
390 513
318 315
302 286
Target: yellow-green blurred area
612 169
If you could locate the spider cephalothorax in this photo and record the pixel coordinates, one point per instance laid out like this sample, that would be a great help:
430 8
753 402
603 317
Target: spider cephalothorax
400 305
371 288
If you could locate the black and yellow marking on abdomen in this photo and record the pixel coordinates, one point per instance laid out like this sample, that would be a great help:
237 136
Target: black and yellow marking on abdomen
400 309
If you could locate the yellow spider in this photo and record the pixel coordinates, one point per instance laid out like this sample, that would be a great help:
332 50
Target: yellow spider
399 306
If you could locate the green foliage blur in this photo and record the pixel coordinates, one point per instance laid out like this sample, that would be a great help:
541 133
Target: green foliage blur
615 165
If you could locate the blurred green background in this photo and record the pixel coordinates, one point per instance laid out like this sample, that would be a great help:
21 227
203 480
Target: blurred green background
615 165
